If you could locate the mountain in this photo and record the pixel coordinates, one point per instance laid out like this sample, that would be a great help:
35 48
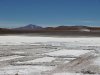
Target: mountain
79 30
69 28
58 28
29 27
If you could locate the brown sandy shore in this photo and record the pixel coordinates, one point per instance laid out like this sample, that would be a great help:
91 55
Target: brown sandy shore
57 33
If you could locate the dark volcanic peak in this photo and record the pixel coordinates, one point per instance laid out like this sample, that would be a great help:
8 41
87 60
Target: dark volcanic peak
30 27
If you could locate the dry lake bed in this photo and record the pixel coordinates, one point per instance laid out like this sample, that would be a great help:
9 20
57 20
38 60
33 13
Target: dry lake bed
38 55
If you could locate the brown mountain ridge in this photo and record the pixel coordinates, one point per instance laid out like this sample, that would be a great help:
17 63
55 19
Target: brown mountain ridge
59 30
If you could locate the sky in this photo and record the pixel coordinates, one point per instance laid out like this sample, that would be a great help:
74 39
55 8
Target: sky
16 13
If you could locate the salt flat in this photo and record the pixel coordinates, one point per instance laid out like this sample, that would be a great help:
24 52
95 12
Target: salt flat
70 53
35 55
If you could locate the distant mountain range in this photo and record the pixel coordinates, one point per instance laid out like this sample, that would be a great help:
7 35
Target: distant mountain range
29 27
35 29
32 27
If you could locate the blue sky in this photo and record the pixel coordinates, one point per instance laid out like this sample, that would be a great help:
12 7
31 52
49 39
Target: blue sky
15 13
